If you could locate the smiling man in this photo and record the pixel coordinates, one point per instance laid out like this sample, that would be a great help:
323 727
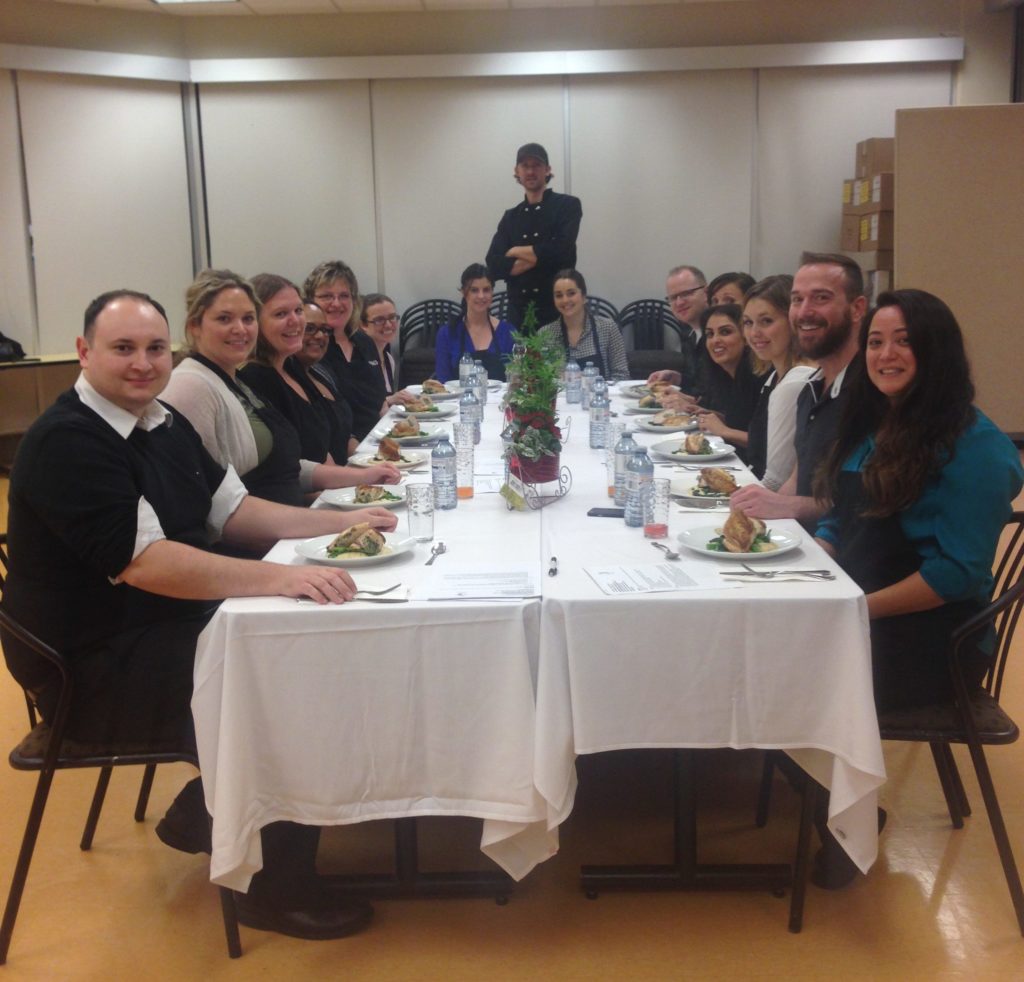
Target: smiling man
535 239
827 306
114 504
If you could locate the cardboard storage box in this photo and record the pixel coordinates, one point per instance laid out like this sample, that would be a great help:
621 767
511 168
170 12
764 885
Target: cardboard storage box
849 233
875 259
871 194
875 156
875 282
876 231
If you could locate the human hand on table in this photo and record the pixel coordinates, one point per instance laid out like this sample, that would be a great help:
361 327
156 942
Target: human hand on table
381 474
679 401
711 422
758 502
322 584
377 518
665 375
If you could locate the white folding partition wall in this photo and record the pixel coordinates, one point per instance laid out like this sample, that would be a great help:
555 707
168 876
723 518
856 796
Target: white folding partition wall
406 178
662 163
289 177
108 193
16 317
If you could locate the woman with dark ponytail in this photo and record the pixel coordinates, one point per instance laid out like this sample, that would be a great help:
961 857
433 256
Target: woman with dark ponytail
485 337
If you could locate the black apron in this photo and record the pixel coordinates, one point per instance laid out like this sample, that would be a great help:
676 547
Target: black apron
909 651
493 361
597 359
757 431
276 477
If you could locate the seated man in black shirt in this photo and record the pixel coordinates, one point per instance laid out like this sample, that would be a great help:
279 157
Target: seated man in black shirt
113 503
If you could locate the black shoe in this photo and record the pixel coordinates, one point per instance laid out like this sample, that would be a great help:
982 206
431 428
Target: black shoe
833 869
186 826
338 919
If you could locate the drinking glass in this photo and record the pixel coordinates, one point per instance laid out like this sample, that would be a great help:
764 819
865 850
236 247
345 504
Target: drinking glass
464 433
656 508
420 502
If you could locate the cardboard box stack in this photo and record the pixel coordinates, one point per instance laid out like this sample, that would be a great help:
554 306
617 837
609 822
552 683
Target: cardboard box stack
866 232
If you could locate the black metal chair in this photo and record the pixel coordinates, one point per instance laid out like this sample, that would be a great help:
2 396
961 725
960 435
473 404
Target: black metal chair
600 307
973 718
417 334
47 750
499 305
653 338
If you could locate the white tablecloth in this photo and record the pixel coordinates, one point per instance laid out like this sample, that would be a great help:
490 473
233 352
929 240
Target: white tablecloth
340 715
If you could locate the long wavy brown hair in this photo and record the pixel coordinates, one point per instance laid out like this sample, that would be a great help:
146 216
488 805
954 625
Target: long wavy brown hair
916 434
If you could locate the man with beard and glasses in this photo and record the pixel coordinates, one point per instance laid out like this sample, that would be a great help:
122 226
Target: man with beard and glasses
827 305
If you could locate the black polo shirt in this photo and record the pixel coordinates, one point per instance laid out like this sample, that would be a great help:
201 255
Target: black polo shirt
360 380
817 425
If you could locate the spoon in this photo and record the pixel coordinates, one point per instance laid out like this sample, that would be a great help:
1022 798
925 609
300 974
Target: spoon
439 549
669 554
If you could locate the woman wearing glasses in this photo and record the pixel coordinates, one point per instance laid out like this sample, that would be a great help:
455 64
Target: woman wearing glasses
275 376
351 357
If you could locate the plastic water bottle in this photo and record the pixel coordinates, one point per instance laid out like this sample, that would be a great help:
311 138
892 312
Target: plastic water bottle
480 379
465 367
442 473
624 451
470 411
589 374
573 382
600 413
639 473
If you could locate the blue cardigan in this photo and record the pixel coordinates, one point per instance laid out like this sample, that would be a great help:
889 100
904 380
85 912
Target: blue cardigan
956 523
450 344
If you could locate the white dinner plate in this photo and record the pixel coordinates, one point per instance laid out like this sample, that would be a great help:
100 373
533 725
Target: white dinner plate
642 410
426 435
697 541
637 390
439 412
653 427
663 451
411 458
437 396
682 488
316 551
456 386
345 498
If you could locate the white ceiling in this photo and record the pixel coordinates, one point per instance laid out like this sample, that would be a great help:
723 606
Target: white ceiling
272 7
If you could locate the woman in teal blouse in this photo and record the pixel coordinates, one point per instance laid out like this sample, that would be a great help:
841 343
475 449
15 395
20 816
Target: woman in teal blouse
922 483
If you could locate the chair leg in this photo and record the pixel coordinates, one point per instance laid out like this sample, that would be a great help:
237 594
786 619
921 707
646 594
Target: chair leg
941 755
96 807
802 863
995 817
965 805
28 845
144 789
764 794
230 914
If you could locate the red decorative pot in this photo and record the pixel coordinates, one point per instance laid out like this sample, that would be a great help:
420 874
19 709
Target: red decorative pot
535 471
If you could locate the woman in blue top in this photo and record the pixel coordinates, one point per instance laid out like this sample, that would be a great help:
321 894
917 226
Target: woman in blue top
922 484
486 338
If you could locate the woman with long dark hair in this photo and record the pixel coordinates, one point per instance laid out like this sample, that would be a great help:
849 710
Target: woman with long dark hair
485 337
922 483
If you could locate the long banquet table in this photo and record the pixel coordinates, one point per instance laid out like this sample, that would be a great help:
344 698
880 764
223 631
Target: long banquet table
337 715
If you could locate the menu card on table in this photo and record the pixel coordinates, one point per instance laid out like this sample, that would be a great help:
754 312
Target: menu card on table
512 581
656 578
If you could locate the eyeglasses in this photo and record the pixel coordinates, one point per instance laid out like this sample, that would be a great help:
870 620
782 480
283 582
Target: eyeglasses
312 329
683 294
322 298
381 321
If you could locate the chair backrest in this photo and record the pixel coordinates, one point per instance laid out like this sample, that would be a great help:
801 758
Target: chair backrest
1009 574
648 325
499 305
1002 615
3 559
421 322
600 307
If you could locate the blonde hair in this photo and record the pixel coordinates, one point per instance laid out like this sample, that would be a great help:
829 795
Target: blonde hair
204 290
325 273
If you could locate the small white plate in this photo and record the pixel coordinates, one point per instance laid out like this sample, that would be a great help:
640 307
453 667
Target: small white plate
642 410
652 427
697 540
663 451
637 390
345 498
439 412
412 458
452 392
316 551
682 488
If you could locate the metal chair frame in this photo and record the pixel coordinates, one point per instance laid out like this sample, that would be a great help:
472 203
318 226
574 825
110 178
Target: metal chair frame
645 323
421 322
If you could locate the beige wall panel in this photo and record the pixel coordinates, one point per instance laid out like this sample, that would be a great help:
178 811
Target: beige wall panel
960 234
107 193
445 151
289 177
662 163
16 318
809 123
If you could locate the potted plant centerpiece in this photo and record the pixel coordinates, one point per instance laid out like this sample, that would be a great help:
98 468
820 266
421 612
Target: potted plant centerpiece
534 373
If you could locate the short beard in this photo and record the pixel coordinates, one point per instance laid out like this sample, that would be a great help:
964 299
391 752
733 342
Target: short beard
835 336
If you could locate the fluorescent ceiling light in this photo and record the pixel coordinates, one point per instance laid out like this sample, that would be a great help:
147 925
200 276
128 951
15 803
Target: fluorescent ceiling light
161 3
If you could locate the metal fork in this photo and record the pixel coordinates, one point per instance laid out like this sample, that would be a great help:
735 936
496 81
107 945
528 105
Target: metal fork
377 593
816 574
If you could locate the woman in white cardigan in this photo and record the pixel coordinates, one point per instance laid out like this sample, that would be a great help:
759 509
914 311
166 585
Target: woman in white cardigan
770 451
